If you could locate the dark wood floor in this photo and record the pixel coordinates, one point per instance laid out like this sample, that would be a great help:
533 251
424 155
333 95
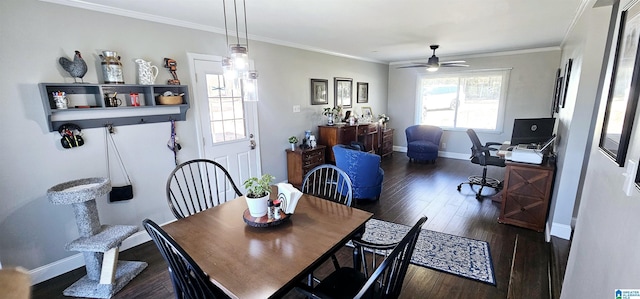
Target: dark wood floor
521 258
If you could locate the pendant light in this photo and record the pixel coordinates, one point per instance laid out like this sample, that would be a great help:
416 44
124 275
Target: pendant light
236 65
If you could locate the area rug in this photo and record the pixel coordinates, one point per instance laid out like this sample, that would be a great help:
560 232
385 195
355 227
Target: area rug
460 256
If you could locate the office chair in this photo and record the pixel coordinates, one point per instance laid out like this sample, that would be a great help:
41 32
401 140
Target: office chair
197 185
481 155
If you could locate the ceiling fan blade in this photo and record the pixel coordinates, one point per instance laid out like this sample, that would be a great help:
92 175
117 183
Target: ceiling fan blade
453 61
454 65
412 66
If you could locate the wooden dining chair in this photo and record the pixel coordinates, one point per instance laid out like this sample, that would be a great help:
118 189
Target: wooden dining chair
197 185
385 282
189 281
329 182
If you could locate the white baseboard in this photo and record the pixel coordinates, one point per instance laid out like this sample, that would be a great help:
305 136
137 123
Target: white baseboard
561 231
75 261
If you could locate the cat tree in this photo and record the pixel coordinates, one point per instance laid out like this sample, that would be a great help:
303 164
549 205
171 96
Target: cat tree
98 243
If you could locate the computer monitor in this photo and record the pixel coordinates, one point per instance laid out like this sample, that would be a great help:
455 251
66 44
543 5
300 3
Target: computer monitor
532 130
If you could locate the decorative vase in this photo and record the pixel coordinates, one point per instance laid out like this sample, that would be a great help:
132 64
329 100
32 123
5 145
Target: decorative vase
257 206
111 67
330 119
147 73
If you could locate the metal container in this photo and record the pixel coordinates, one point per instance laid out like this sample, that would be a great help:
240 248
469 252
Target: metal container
111 67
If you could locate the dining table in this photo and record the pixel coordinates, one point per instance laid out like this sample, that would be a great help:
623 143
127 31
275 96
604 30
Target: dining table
246 261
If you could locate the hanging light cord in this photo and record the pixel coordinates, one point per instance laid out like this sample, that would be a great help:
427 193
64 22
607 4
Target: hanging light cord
226 31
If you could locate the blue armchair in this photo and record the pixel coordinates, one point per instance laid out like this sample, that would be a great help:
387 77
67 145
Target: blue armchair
363 169
423 142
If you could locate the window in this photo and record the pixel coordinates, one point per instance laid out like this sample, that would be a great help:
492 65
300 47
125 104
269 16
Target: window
226 109
463 100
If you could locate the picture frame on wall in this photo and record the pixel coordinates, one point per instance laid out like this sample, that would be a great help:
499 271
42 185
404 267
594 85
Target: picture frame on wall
567 74
319 93
363 92
624 91
343 92
557 91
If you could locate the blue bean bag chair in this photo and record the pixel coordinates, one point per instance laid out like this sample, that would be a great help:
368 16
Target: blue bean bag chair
363 169
423 142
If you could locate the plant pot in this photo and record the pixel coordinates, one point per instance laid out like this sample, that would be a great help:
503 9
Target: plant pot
330 119
257 206
293 146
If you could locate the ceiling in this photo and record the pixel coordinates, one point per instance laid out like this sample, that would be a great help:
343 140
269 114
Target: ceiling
375 30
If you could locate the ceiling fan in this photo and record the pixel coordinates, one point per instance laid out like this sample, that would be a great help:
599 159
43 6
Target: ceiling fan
434 62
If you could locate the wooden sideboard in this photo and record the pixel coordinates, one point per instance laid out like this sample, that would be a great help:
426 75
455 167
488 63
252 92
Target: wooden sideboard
345 134
300 161
526 194
386 142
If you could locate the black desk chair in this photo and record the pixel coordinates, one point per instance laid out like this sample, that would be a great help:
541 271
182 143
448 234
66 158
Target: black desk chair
481 155
385 282
188 279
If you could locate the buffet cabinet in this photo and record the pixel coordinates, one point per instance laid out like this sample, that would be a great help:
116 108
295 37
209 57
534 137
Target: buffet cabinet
386 142
526 194
300 161
345 134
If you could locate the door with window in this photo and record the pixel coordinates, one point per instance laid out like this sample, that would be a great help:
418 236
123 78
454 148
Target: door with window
228 125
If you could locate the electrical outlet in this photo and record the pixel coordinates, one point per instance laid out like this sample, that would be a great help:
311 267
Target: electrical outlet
296 108
444 145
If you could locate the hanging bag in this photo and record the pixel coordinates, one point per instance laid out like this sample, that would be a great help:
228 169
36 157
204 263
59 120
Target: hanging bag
122 192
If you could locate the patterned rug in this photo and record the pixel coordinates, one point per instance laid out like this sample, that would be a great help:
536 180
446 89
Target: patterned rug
460 256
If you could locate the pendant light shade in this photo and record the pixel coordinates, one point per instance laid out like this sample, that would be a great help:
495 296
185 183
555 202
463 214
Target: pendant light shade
236 64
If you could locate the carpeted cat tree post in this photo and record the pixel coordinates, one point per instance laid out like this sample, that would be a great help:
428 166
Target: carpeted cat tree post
98 243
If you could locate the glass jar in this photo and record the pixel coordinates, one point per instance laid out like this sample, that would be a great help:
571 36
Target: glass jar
111 67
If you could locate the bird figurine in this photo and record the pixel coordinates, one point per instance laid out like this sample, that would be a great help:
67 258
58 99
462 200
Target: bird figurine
76 68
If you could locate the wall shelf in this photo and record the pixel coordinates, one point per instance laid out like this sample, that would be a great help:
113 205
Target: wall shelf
87 107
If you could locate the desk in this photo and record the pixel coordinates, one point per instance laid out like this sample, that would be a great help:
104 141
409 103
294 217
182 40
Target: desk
250 262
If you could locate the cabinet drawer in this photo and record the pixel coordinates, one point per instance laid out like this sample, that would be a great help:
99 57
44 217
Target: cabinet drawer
312 155
316 160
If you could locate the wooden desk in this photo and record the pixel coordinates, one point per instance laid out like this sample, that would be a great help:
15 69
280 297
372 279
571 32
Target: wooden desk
249 262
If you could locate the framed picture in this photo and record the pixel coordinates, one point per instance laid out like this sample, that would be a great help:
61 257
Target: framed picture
343 92
624 89
567 74
319 94
557 91
367 112
363 92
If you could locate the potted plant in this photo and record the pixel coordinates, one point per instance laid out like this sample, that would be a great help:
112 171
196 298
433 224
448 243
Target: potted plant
258 190
293 140
331 113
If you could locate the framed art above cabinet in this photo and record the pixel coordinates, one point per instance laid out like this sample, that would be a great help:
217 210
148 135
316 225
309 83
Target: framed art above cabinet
99 105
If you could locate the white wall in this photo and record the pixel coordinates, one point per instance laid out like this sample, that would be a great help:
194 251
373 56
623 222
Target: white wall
603 254
529 94
35 34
